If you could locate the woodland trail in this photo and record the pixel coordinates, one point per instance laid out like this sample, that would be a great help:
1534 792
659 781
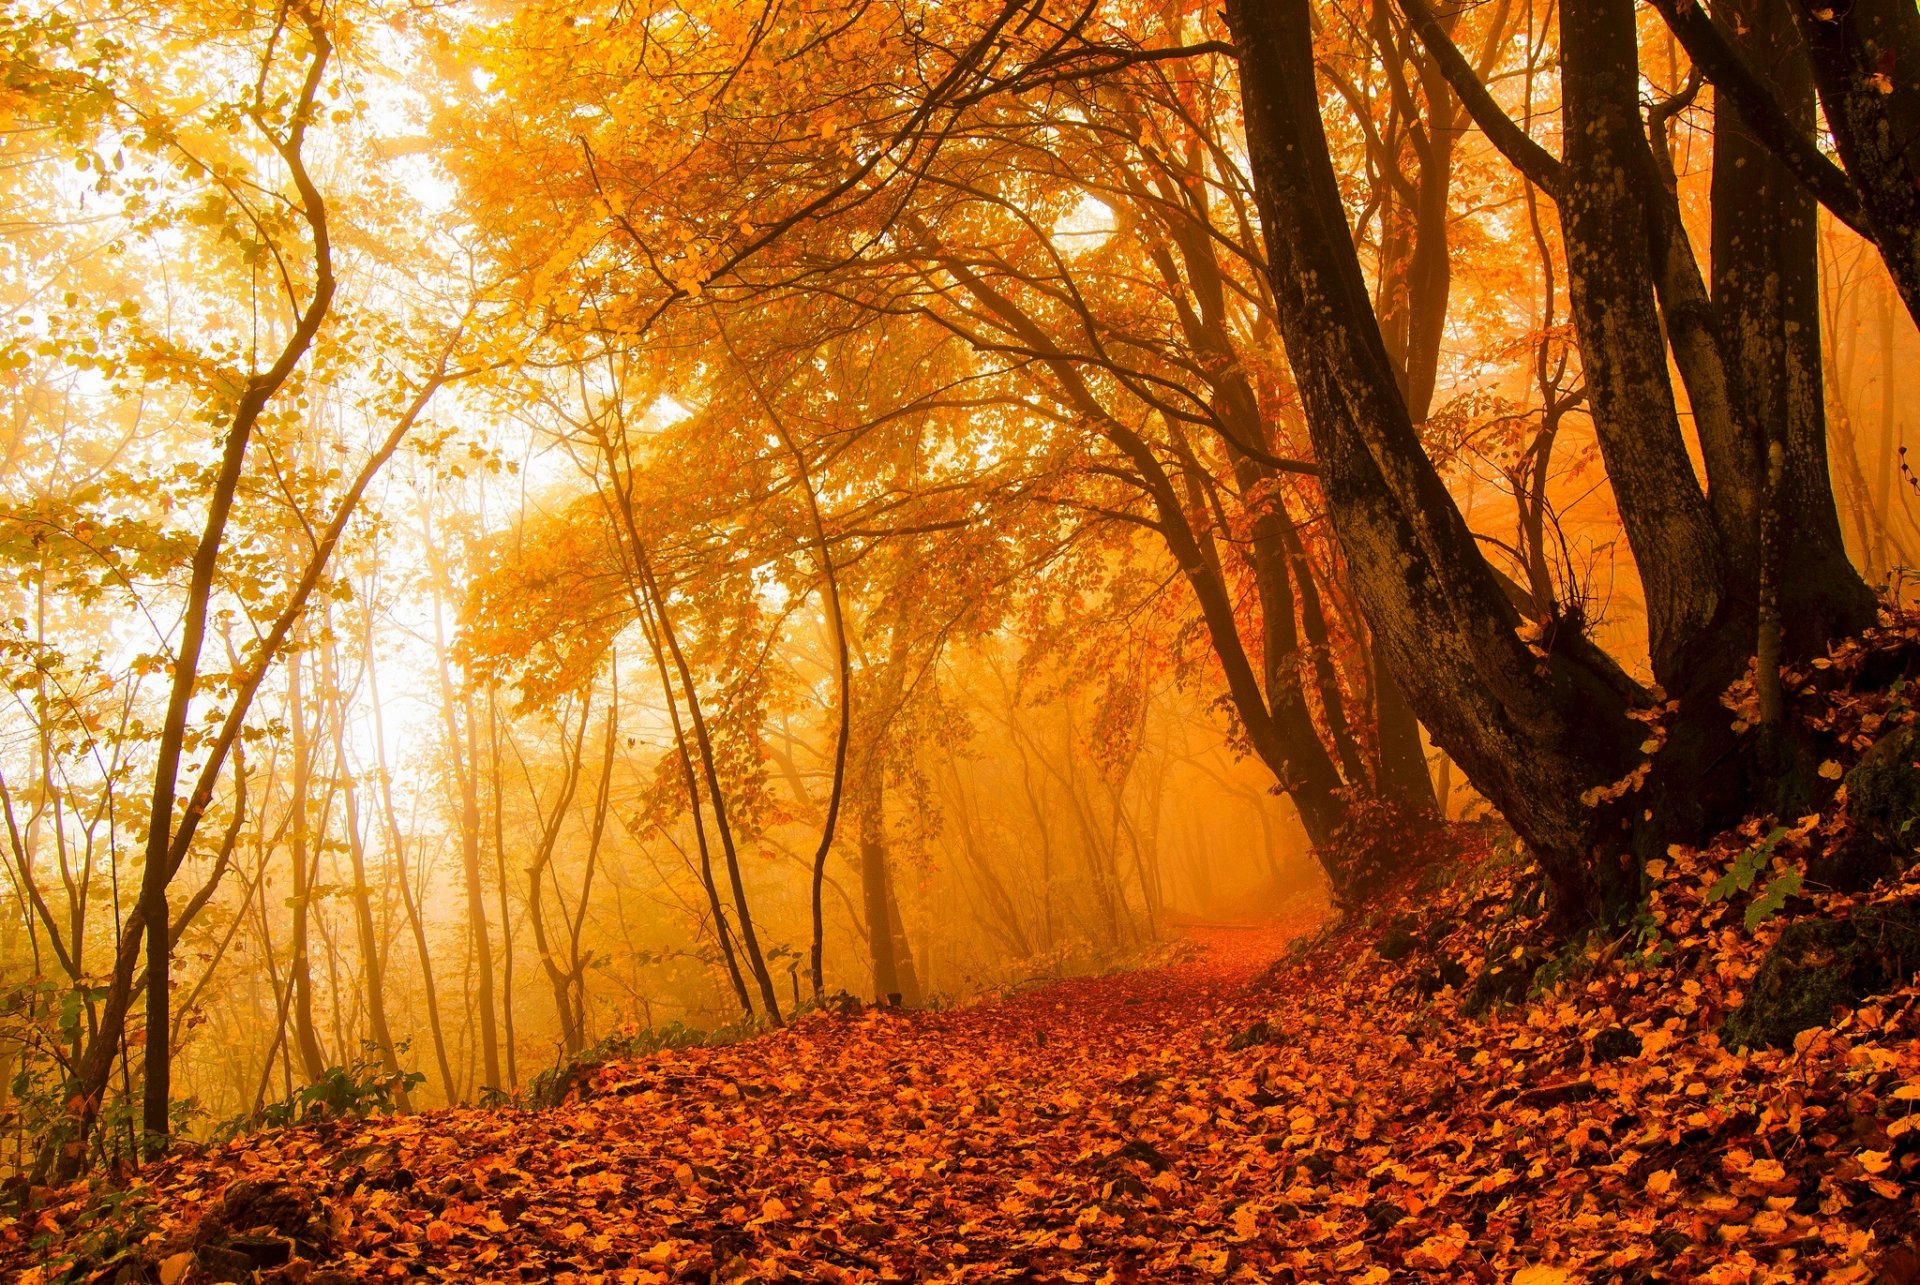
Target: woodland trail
1351 1115
972 1144
979 1143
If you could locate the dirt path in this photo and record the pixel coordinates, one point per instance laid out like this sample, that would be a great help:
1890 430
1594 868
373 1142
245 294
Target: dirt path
968 1145
1035 1137
1353 1119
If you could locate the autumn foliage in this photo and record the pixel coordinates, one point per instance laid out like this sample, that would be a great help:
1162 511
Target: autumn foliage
703 639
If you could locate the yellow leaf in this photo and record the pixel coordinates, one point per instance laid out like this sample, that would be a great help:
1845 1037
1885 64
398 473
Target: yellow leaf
1246 1223
1438 1252
1874 1161
1767 1171
1830 770
174 1266
1660 1181
1542 1275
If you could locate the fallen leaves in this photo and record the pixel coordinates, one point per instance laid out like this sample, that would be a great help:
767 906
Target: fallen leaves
1541 1275
1337 1117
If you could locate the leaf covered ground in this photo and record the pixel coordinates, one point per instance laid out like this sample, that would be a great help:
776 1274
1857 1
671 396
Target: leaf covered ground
1426 1092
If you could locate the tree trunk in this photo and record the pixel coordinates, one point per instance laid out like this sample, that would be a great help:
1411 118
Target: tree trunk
650 600
299 960
1865 59
463 761
500 890
873 885
397 847
559 980
904 971
1404 780
1766 290
372 958
1536 732
1611 220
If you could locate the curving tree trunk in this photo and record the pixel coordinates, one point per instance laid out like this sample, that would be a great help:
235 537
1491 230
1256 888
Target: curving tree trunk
1548 733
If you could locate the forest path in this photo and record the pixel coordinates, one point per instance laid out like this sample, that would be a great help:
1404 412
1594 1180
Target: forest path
979 1143
1339 1118
1059 1133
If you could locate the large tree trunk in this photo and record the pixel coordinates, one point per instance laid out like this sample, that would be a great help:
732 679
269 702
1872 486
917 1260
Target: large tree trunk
1536 732
1591 770
1608 207
1766 290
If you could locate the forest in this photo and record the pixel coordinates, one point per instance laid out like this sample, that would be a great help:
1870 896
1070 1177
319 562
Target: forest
964 640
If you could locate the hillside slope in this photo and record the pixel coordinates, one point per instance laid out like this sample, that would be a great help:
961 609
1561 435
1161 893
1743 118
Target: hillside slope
1338 1116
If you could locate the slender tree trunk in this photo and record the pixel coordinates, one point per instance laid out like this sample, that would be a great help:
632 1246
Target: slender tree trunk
500 889
843 673
259 390
559 980
372 957
1404 780
722 930
463 761
596 835
299 961
871 813
1275 718
1882 507
906 975
655 600
397 848
64 1153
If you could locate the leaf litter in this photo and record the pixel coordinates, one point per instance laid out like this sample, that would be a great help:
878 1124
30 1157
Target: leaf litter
1429 1090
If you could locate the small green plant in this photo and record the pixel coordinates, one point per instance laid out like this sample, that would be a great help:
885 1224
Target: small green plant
365 1088
1648 948
1746 870
1573 961
112 1220
1768 903
1746 867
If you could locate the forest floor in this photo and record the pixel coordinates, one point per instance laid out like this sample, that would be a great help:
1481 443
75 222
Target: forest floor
1220 1117
1430 1091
